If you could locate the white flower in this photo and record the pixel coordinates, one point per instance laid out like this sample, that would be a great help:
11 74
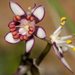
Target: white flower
23 27
61 43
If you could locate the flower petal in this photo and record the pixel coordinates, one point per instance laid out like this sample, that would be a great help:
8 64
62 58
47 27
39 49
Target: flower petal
29 45
41 33
9 38
17 10
57 48
22 31
39 12
64 48
66 37
60 42
66 64
61 57
70 46
57 31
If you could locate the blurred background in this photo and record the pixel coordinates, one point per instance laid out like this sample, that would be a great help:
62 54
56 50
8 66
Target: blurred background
10 53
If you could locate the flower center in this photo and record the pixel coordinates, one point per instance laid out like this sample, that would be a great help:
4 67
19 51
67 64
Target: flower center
24 31
26 27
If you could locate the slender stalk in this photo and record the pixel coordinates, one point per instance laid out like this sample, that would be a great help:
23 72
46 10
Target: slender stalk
27 63
43 54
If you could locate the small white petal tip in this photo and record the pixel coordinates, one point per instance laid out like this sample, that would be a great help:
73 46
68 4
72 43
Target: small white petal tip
9 38
41 33
17 10
29 45
39 12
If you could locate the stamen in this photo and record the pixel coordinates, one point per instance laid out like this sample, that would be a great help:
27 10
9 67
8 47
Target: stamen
19 26
16 36
28 17
21 38
16 18
25 38
23 25
30 31
69 41
30 9
63 21
73 49
11 26
31 28
14 33
31 18
13 29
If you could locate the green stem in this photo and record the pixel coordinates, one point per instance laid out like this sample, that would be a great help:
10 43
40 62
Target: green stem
35 70
43 54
